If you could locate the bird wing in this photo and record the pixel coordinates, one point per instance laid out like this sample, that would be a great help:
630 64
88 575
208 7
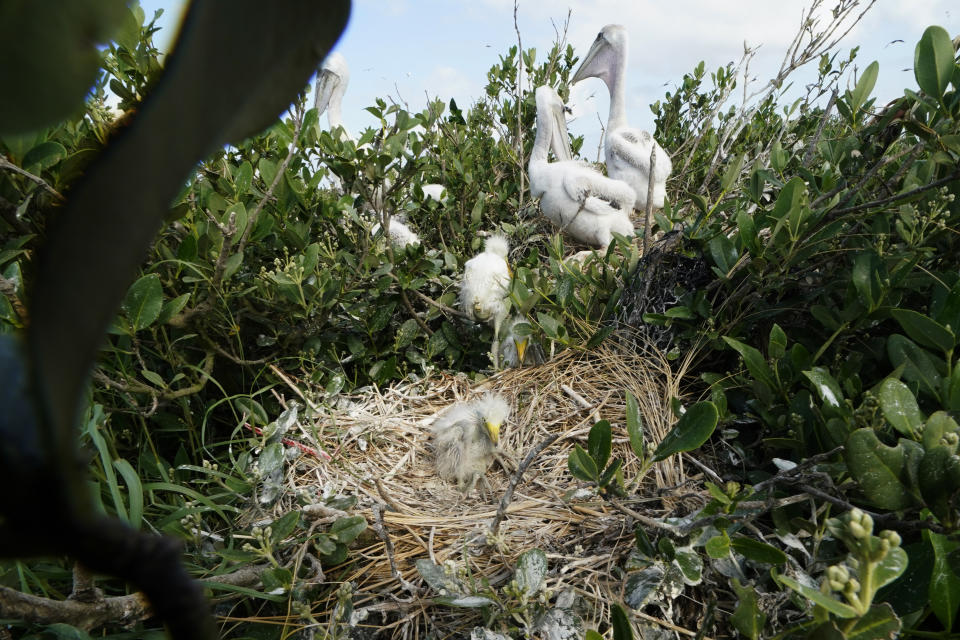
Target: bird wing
633 147
583 184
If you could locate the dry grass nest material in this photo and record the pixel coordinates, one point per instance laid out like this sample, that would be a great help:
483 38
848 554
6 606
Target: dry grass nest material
380 447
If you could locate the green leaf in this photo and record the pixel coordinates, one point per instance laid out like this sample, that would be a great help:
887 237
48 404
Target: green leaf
918 365
718 546
938 425
828 390
884 473
283 526
621 624
582 466
465 602
747 618
347 529
276 581
690 564
866 279
434 575
641 584
829 603
933 63
635 426
172 307
944 588
592 635
732 173
724 253
890 568
43 156
754 360
868 79
777 343
899 407
939 480
143 302
879 623
271 458
134 491
924 330
758 551
531 571
692 429
599 442
62 631
236 555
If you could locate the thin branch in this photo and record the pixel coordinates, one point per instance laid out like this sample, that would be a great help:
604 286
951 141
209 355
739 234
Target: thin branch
381 530
6 164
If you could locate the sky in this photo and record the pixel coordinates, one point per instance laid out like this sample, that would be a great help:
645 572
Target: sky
405 50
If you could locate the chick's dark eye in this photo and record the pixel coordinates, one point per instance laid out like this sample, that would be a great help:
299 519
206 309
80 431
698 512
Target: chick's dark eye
600 35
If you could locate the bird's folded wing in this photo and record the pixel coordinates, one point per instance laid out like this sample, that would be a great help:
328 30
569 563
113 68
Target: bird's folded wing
633 147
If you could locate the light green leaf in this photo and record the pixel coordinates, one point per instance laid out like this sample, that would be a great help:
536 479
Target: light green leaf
531 571
879 623
134 491
829 603
884 473
868 79
900 407
347 529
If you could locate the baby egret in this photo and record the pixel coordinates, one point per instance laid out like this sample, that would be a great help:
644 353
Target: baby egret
465 438
627 149
518 350
585 203
332 83
485 290
401 235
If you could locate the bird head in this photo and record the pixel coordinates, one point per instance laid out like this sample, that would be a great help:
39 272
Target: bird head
493 409
607 52
333 79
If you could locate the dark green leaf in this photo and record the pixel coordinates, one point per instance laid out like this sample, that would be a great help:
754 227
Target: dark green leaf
758 551
899 407
143 302
924 330
831 604
756 363
283 526
635 426
747 618
346 530
944 588
641 584
582 466
599 442
879 623
884 473
933 63
692 429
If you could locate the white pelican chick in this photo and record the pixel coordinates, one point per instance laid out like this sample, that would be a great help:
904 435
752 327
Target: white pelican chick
582 201
485 290
465 438
627 149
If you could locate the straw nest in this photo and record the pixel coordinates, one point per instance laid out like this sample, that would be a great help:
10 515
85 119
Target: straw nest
379 443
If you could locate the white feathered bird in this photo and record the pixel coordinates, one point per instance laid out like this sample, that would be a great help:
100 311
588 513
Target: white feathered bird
627 149
582 201
485 289
332 83
401 235
465 438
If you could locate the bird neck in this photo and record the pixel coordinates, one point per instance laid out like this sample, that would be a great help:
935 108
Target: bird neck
541 143
335 115
618 101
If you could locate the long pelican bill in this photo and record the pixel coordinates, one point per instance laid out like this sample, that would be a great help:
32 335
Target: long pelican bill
583 69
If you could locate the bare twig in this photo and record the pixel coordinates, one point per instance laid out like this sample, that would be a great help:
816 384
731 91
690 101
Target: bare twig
6 164
381 530
648 213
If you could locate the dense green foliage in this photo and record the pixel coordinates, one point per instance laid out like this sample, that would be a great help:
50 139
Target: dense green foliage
827 330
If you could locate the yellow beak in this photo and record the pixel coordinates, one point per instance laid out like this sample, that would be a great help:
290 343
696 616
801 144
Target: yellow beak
494 430
521 349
